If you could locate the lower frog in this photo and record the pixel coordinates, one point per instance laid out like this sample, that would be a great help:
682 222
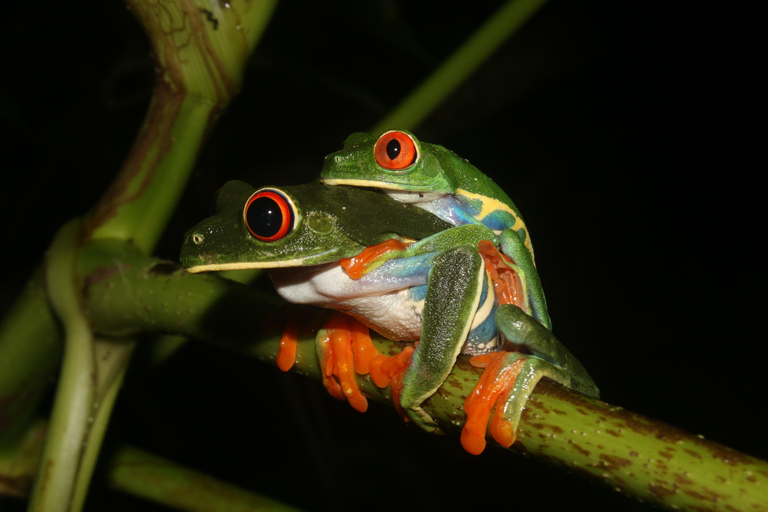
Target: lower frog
451 291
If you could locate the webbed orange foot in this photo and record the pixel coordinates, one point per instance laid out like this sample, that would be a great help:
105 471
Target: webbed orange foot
493 387
344 348
388 371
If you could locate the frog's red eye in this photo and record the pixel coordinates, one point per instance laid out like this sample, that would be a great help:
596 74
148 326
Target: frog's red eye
395 150
268 215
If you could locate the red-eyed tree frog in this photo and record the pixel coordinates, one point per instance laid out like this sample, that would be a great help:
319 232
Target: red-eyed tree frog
438 180
316 243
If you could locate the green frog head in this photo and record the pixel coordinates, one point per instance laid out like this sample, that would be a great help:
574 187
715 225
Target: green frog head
397 160
298 226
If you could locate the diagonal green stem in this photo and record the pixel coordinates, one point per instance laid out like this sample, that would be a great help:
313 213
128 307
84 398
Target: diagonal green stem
139 473
200 65
30 353
459 66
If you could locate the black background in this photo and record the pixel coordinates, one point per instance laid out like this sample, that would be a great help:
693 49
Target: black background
628 134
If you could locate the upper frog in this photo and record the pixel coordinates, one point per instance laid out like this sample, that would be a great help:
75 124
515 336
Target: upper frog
438 180
419 172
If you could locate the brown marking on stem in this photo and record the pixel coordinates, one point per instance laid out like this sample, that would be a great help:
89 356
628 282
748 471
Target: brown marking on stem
660 491
17 487
156 132
682 479
692 453
579 448
666 455
612 463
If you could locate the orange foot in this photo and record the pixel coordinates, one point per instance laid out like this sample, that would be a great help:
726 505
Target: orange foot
388 371
500 374
343 350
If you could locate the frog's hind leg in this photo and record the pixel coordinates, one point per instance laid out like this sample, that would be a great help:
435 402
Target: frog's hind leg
454 289
510 377
522 330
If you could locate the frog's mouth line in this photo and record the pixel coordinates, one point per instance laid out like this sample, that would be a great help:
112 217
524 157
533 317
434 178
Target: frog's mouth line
397 192
250 265
376 185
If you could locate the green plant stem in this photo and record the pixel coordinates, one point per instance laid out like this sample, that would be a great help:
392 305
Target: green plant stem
160 480
30 353
59 469
201 49
200 55
459 66
636 455
138 473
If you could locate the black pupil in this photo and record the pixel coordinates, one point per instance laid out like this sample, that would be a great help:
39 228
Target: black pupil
393 149
264 217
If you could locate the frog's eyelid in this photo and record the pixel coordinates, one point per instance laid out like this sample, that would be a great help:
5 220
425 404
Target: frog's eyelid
273 218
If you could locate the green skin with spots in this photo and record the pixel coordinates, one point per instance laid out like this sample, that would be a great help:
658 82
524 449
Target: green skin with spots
334 222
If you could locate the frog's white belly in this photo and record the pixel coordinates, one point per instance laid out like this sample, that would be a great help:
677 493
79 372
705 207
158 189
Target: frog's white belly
395 315
389 299
389 305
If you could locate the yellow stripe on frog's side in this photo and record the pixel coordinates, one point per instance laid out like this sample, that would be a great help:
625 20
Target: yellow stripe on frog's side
491 205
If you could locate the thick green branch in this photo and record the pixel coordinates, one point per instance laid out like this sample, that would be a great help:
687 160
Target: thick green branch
637 455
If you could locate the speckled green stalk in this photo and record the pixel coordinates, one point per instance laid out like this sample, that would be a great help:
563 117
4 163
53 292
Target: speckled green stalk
635 455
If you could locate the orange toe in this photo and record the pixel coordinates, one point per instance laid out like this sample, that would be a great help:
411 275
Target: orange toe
378 377
340 336
286 354
363 350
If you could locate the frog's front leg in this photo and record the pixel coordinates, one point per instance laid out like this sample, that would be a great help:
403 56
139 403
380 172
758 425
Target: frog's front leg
513 246
510 377
454 288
